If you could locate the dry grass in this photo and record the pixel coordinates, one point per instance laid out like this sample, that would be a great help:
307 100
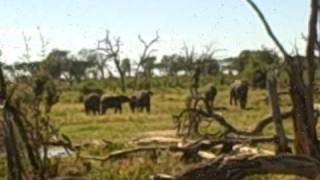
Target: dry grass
120 129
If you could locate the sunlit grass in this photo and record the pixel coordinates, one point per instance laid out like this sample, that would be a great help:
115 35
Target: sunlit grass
69 115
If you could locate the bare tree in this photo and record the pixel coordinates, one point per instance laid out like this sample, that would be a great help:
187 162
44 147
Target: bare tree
44 44
146 53
301 85
26 55
209 51
96 59
301 73
190 57
111 47
282 143
102 64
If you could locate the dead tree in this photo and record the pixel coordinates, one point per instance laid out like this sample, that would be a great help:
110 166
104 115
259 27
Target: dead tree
27 129
301 76
208 54
112 49
44 44
27 55
11 149
146 53
13 156
282 144
190 56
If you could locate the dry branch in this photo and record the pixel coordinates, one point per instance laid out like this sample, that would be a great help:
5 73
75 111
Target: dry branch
161 140
263 123
191 152
68 178
257 129
112 47
238 167
162 177
124 153
268 28
146 53
301 85
147 45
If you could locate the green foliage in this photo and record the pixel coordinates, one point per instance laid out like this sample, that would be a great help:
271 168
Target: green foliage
171 65
88 86
252 61
126 66
254 65
210 66
29 67
55 63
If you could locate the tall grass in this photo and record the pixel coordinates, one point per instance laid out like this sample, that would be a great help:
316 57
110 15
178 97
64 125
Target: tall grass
69 115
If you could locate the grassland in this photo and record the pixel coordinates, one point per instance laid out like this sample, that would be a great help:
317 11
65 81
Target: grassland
121 129
68 114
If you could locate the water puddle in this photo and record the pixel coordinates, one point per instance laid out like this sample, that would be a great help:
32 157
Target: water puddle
57 152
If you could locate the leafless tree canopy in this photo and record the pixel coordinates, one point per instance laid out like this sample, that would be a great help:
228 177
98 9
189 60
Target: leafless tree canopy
111 47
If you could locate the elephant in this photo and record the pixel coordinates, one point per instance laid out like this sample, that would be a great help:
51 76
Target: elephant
141 101
85 93
92 103
209 96
115 102
259 79
239 91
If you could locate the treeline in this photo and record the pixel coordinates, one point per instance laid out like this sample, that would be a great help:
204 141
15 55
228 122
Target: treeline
174 70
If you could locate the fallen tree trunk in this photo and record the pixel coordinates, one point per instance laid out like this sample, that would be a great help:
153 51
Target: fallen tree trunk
239 167
193 152
124 153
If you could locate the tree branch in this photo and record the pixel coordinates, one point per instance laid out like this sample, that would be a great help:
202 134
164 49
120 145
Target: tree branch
268 28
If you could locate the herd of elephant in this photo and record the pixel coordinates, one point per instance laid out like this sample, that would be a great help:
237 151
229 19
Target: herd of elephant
238 95
96 103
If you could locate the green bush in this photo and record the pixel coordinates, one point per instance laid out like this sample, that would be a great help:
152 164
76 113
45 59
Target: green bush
88 86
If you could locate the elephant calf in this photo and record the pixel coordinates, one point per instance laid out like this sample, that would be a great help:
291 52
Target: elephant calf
113 102
92 103
141 101
239 91
210 95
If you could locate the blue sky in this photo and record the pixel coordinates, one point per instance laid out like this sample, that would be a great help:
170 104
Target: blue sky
76 24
